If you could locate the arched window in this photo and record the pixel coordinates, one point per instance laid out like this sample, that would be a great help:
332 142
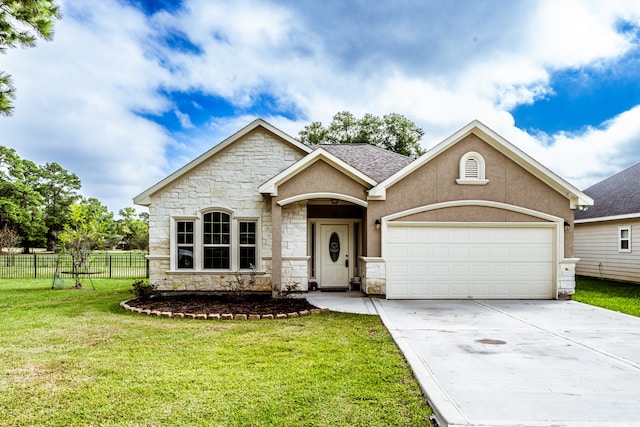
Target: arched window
472 169
216 240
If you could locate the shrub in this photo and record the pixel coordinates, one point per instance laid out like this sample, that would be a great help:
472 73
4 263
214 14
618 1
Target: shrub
142 289
241 284
285 291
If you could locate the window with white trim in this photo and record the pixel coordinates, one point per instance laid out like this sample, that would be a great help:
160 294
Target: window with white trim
215 241
624 238
184 239
472 169
247 244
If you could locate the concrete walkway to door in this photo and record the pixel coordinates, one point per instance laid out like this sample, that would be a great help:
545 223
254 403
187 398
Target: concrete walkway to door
520 363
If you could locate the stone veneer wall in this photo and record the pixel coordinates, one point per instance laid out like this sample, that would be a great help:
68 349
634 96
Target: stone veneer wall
374 275
295 262
230 181
567 277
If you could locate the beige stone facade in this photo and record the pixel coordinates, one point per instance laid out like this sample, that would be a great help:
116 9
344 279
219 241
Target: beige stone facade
226 182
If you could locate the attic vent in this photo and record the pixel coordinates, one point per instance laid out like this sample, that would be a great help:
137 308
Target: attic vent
472 169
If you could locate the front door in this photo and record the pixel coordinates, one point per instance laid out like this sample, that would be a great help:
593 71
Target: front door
334 255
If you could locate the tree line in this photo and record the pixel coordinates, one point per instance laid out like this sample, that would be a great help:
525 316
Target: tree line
40 206
393 132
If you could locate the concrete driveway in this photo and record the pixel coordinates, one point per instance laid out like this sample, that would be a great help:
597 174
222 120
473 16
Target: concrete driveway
520 363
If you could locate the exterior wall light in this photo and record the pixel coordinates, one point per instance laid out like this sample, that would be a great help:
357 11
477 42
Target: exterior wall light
377 224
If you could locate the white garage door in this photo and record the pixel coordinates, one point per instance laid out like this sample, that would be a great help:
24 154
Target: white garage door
436 262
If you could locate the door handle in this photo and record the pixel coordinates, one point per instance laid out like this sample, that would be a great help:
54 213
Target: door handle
346 261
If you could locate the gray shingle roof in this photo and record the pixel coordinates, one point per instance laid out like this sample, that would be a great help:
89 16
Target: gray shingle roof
373 161
617 195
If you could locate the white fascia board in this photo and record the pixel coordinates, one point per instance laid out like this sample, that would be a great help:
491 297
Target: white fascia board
323 195
608 218
271 187
143 198
575 196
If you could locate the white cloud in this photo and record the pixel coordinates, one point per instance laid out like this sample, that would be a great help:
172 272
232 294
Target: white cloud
184 119
76 98
80 97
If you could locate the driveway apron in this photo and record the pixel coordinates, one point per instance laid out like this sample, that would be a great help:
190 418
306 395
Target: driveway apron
520 363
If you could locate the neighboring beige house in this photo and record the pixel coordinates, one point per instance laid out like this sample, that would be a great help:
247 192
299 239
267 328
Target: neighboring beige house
606 233
474 217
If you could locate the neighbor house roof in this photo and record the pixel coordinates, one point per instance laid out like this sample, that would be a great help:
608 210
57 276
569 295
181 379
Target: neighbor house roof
373 161
576 197
617 197
144 197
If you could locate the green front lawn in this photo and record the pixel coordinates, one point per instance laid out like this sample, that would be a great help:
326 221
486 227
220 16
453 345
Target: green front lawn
74 357
617 296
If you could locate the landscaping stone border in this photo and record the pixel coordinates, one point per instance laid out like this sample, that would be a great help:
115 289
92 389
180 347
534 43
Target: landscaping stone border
222 316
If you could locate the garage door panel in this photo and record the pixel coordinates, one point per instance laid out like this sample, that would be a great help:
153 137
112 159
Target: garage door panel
460 271
436 291
480 289
480 270
469 262
400 272
418 272
460 290
397 252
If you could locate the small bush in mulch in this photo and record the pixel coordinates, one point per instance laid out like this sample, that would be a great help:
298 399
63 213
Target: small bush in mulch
206 304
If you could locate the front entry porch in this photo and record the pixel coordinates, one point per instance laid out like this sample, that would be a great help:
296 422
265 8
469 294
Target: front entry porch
334 230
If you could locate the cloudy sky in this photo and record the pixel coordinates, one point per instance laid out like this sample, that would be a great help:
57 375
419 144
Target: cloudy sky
129 91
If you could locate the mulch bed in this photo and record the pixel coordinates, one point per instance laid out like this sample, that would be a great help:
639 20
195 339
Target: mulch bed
191 305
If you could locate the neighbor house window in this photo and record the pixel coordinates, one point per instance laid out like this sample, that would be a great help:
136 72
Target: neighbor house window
247 244
624 239
472 169
184 238
216 239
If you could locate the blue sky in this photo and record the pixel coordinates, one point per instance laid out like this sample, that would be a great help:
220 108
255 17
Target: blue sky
129 91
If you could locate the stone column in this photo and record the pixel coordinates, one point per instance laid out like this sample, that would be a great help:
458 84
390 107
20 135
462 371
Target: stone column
374 275
276 244
567 278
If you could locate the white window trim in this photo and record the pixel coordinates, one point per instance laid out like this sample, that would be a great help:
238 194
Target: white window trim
236 246
173 242
620 239
463 178
232 236
198 246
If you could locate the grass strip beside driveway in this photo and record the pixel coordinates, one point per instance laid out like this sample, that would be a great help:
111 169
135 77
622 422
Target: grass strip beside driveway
616 296
74 357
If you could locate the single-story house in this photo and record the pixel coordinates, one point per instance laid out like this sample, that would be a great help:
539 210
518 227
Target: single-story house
474 217
605 233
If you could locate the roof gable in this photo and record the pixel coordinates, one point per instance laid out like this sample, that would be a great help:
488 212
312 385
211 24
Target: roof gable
144 197
319 154
617 197
575 196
